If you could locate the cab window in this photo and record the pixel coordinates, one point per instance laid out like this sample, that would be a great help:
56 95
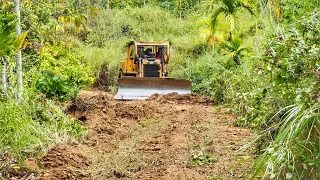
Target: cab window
132 52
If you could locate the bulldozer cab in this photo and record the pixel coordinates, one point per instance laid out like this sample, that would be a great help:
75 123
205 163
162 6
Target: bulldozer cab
148 50
144 72
145 59
152 52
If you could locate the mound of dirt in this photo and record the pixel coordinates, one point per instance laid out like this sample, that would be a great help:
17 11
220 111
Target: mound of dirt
100 107
181 99
89 100
135 111
65 162
62 156
107 119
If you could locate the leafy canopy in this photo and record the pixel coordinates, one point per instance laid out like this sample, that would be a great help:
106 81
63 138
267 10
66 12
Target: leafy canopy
8 40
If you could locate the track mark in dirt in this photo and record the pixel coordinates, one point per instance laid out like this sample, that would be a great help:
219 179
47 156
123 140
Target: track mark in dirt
152 139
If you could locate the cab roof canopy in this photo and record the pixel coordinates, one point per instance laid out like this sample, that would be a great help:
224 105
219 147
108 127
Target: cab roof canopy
142 43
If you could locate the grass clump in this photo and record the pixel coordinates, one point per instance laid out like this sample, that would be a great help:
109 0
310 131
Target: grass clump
120 164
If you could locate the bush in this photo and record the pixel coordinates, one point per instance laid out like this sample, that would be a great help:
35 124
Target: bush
291 136
63 75
55 85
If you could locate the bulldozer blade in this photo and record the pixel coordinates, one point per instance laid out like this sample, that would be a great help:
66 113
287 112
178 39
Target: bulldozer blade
134 88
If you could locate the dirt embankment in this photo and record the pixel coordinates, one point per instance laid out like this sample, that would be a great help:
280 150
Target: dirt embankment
165 137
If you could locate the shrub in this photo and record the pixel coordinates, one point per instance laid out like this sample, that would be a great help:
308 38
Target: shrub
291 139
55 85
63 75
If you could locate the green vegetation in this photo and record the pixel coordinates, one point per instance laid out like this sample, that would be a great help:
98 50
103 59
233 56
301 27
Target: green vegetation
258 57
199 158
33 126
62 75
230 9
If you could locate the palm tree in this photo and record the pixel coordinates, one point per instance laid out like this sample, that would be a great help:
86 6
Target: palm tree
235 49
229 9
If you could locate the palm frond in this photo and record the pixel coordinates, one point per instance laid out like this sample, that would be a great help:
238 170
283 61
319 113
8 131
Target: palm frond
214 17
229 5
227 46
248 8
240 50
237 22
231 21
236 43
298 136
230 8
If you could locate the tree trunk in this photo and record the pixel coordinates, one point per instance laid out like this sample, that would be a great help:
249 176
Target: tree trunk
180 9
19 56
4 76
108 4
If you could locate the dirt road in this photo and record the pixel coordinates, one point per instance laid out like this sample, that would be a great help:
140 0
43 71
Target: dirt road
172 137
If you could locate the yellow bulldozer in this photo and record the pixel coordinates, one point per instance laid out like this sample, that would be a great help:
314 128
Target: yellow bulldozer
144 72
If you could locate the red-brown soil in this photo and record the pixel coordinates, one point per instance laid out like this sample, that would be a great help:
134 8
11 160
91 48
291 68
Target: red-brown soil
181 99
153 139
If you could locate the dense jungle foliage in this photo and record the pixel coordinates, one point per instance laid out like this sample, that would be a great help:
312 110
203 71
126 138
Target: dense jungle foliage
258 57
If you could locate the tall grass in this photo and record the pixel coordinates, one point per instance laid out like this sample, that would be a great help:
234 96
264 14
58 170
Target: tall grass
295 150
34 125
